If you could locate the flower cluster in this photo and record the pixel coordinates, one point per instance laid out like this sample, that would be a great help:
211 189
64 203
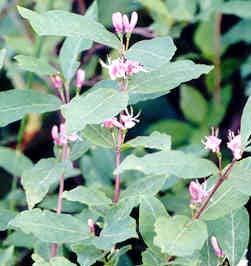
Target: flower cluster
197 192
127 120
213 142
122 24
122 68
60 137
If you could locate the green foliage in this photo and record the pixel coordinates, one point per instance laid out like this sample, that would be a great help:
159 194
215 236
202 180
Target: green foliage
169 162
35 65
63 23
179 236
15 104
51 227
152 53
93 108
37 180
156 140
13 161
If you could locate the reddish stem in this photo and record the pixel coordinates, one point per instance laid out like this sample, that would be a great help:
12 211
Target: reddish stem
219 182
64 156
117 160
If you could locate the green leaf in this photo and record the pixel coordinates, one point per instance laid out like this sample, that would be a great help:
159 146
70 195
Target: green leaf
149 258
98 135
2 57
152 53
63 23
51 227
37 180
69 53
182 10
241 176
149 85
207 255
15 104
239 32
56 261
226 199
245 123
6 256
20 239
13 161
232 232
117 231
239 8
179 130
145 186
78 149
150 209
38 66
193 104
93 108
87 255
169 162
179 235
88 196
5 217
156 140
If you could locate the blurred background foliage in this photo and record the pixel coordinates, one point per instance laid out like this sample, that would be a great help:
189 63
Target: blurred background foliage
208 31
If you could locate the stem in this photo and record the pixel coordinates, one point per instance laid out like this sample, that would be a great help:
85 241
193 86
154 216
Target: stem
118 157
218 183
217 59
64 156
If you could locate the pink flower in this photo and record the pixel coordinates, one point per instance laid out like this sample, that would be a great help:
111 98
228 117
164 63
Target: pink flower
197 192
112 122
117 20
129 26
217 250
56 81
60 136
122 68
212 142
91 226
235 145
128 120
80 78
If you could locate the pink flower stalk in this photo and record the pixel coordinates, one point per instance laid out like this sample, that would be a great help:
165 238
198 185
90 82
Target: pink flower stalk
217 250
80 78
91 226
197 192
129 26
56 81
212 142
112 122
60 137
117 20
128 120
121 68
235 145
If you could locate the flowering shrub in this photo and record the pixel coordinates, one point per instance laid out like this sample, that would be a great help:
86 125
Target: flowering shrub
125 194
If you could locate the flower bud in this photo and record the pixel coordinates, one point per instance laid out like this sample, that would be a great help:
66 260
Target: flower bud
217 250
91 226
80 78
117 21
56 81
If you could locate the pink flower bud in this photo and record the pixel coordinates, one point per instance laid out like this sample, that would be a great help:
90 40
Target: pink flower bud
56 81
129 26
111 123
117 21
60 137
197 192
217 250
235 145
91 226
80 78
212 142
